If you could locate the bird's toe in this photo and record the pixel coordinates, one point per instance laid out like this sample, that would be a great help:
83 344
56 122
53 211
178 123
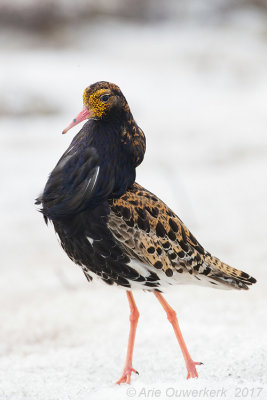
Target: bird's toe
191 369
126 375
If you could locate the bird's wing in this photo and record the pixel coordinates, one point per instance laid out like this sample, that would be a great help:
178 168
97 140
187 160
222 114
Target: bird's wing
74 184
150 232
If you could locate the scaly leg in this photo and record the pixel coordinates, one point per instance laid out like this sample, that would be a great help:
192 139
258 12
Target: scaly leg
134 315
171 315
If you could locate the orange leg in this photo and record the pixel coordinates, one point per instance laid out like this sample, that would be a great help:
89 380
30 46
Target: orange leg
134 315
171 315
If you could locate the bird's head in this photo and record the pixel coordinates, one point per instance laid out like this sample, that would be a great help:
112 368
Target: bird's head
101 100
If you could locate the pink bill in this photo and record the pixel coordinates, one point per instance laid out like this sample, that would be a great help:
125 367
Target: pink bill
84 114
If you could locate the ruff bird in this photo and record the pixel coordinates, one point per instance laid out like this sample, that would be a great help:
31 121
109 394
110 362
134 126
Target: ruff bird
115 229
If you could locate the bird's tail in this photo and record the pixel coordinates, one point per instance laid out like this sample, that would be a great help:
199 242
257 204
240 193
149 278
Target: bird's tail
225 275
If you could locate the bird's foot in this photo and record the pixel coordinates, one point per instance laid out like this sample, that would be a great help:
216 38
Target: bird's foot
126 375
191 369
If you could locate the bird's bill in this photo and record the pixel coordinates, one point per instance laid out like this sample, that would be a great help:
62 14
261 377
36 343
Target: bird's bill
84 114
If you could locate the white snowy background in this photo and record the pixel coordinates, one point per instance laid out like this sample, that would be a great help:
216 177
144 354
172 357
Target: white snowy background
198 88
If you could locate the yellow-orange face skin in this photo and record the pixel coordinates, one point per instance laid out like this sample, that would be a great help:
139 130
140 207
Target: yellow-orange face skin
99 102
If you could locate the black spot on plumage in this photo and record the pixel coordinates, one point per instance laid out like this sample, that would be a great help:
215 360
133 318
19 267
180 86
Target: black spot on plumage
153 277
183 234
206 271
244 275
143 224
140 223
154 212
158 264
159 251
172 256
169 272
141 212
151 250
140 193
172 236
133 202
198 258
173 225
166 245
184 246
252 280
181 254
160 231
126 213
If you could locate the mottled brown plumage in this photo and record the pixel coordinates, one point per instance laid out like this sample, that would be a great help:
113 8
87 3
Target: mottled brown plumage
150 232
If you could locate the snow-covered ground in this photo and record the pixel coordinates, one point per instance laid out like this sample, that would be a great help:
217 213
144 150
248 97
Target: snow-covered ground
200 95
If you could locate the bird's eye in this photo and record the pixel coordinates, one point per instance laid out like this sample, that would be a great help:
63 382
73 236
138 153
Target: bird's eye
104 97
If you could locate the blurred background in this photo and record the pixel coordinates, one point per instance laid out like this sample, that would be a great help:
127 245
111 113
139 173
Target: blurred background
195 75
